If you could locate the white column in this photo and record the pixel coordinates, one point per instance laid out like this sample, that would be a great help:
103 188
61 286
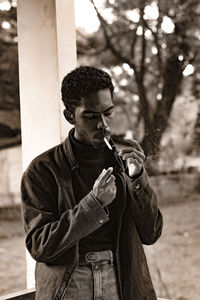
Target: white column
47 52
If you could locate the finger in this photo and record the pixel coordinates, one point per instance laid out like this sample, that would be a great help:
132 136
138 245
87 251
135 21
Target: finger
138 167
134 156
133 151
129 150
106 174
134 143
140 154
110 180
134 161
131 160
101 174
125 150
137 164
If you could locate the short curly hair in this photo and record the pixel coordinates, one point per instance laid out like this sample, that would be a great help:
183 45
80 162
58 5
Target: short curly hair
81 82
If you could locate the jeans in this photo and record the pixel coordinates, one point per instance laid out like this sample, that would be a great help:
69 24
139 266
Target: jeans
96 281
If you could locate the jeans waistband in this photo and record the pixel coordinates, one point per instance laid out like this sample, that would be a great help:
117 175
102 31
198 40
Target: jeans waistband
93 257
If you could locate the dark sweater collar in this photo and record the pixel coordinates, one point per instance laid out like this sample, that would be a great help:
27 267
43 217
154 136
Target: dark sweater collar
73 163
84 152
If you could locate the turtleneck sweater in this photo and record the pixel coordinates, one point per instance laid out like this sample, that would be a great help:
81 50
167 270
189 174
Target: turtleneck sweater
91 162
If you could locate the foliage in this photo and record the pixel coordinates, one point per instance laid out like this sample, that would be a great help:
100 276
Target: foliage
146 59
152 42
9 83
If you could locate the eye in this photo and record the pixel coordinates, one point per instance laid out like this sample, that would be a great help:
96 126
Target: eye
108 114
89 117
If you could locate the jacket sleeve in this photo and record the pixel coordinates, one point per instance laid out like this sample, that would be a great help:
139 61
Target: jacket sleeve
48 236
144 208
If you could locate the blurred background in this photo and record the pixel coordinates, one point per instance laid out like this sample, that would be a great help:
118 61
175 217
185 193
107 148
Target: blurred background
151 49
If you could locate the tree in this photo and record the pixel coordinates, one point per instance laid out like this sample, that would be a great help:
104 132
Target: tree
9 79
196 92
157 40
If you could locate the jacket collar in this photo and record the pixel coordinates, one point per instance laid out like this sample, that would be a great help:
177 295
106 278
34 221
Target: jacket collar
73 164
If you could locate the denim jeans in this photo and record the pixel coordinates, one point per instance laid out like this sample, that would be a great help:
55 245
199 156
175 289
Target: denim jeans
96 281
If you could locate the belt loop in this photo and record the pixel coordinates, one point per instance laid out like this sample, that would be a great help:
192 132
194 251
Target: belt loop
98 256
111 258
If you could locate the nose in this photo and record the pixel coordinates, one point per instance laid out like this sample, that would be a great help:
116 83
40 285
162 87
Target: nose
102 124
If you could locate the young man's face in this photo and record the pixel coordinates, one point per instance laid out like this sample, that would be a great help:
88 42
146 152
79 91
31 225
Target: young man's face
92 118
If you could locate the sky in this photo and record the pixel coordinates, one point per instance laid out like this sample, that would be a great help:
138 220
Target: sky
85 15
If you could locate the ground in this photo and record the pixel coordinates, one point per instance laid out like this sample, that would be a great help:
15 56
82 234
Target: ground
174 260
12 256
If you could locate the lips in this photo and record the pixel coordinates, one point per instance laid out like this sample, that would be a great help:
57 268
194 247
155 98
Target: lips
101 136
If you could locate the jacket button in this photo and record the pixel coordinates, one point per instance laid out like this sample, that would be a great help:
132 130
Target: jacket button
101 221
137 186
96 267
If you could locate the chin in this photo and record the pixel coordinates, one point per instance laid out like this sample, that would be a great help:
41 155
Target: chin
98 143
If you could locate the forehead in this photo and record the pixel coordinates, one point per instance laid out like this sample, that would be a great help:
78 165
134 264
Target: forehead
96 102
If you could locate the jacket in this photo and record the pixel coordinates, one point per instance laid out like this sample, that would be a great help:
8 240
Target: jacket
54 224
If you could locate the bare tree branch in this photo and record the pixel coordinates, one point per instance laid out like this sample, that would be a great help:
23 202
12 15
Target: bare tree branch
113 49
142 60
157 44
138 73
134 40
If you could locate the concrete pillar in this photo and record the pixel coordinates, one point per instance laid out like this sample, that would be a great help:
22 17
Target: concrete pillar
47 51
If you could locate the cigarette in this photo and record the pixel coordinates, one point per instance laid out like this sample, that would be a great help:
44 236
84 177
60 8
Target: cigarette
107 143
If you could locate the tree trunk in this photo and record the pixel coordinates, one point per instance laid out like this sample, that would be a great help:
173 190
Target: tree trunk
197 133
156 128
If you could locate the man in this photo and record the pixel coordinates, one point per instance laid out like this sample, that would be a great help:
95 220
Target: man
88 208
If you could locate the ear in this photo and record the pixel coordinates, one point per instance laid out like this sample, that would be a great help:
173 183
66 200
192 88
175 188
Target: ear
69 116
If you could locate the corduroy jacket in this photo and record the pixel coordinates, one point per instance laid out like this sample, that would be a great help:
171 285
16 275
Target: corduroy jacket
54 224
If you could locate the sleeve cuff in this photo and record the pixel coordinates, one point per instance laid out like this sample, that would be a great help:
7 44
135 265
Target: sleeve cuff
140 180
137 175
97 211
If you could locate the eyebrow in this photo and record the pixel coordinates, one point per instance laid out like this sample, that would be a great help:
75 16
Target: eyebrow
96 112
